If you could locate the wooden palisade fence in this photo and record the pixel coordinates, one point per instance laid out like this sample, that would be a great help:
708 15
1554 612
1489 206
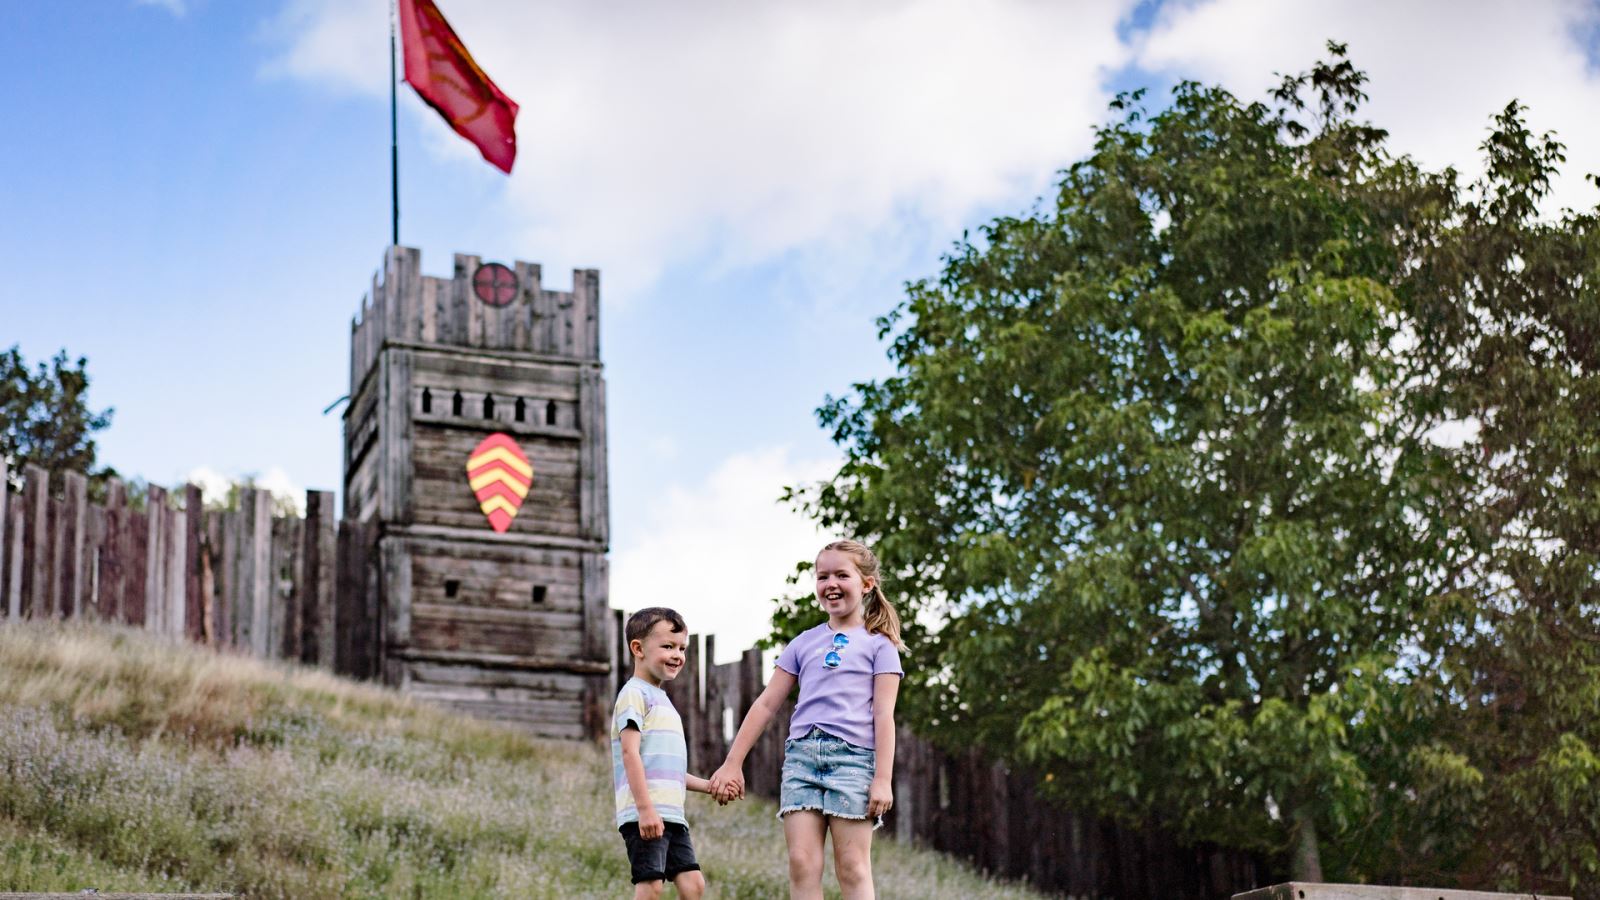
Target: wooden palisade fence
276 587
964 804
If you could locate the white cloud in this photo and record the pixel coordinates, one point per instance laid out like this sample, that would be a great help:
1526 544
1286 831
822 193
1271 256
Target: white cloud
288 496
1439 69
654 134
718 551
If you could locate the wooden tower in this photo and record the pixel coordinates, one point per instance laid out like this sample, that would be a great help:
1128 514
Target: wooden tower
508 624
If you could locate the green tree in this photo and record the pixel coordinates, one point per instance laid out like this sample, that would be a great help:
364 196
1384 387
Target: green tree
1511 304
45 419
1157 458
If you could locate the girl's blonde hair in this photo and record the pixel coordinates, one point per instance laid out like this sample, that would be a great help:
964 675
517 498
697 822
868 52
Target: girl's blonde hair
876 609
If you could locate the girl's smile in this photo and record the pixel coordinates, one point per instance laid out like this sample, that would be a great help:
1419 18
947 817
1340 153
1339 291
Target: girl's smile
840 586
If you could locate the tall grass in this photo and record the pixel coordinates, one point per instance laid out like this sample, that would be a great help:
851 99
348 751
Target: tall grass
132 764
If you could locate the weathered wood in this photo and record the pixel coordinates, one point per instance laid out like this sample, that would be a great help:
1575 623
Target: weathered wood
317 580
36 543
210 574
356 602
255 585
396 600
94 542
595 599
155 571
75 533
177 562
395 460
593 500
282 618
195 596
58 557
135 553
5 555
11 586
230 526
113 569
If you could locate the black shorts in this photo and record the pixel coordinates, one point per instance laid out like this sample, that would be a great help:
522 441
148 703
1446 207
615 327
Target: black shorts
666 857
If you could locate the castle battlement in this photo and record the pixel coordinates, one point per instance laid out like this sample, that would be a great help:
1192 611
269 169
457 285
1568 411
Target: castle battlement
521 315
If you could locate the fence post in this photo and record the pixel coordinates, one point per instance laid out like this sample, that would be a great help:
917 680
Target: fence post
113 561
13 583
252 590
36 542
176 579
317 563
194 598
5 579
155 557
75 497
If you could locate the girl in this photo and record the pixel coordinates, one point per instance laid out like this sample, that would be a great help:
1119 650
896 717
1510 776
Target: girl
838 763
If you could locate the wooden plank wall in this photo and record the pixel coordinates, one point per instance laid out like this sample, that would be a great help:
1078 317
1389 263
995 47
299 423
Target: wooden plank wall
242 578
966 804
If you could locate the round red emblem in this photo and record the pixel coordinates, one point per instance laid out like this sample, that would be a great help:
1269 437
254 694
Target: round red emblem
495 284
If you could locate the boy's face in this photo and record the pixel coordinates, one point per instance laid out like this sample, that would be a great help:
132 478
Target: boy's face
659 655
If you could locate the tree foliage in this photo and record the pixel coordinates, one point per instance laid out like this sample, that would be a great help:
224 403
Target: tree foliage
1162 460
45 419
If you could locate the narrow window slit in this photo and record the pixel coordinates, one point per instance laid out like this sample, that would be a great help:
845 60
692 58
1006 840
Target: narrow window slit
455 404
539 592
451 587
427 400
550 413
521 409
488 406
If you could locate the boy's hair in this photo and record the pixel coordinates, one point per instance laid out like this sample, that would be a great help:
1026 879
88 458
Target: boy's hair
877 610
640 623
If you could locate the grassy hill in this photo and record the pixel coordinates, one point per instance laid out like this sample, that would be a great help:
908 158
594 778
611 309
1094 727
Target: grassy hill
129 763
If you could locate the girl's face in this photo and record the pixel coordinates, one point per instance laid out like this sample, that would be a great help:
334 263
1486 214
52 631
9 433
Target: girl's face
840 586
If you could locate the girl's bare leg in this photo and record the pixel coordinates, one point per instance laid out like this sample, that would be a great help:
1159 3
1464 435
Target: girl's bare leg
805 830
852 857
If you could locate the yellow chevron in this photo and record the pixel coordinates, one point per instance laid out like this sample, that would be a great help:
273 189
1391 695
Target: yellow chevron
493 475
503 454
501 503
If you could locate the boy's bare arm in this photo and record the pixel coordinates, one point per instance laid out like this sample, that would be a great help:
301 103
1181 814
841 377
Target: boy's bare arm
650 824
696 783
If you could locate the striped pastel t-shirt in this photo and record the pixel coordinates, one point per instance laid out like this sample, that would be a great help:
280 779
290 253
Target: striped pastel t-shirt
666 756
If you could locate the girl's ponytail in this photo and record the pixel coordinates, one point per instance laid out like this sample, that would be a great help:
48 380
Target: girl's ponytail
878 613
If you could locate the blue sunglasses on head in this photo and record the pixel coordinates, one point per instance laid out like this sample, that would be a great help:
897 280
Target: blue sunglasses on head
833 659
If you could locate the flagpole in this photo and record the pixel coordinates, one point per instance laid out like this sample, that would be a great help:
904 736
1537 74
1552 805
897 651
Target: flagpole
394 141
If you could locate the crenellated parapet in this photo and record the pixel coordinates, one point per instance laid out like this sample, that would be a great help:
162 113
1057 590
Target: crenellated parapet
480 306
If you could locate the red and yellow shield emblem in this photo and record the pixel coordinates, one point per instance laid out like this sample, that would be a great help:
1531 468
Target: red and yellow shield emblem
500 475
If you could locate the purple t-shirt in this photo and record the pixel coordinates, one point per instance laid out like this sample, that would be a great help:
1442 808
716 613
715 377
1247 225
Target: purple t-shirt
836 680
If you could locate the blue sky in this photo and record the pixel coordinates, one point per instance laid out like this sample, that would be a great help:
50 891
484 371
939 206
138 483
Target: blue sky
195 196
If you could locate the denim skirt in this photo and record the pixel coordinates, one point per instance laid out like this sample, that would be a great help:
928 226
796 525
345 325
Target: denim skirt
827 774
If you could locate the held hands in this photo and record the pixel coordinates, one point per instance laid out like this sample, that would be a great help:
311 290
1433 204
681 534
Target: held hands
880 797
727 784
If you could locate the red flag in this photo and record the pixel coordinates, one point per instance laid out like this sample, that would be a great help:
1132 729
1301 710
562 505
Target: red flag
442 72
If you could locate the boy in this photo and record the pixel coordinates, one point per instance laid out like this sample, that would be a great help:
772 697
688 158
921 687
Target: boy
649 760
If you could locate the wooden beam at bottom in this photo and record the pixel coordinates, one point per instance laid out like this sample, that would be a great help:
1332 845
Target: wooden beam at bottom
505 661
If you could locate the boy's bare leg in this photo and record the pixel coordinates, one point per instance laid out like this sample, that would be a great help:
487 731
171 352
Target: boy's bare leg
852 857
690 885
805 830
648 890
